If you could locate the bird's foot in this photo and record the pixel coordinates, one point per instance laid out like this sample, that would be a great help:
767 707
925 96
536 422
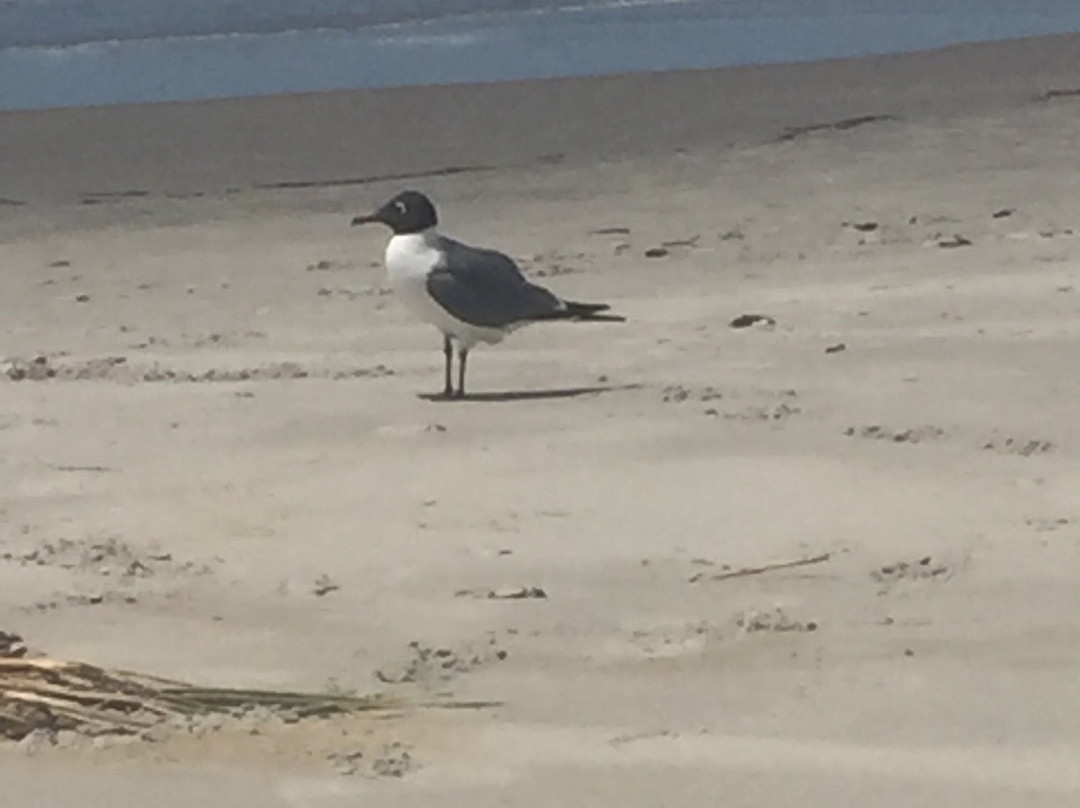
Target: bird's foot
447 394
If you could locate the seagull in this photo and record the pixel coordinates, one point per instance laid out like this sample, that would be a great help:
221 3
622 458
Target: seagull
472 295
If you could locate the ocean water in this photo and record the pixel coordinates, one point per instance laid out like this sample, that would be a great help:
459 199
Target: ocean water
83 52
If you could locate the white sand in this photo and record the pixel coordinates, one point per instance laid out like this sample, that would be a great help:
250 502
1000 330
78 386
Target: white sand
949 682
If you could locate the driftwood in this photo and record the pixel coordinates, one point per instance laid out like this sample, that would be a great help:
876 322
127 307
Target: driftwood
744 572
793 132
1050 95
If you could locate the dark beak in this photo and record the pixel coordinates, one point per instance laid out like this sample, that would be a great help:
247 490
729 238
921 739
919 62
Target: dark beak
366 219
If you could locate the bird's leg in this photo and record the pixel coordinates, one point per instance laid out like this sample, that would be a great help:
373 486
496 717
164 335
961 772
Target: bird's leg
448 352
463 353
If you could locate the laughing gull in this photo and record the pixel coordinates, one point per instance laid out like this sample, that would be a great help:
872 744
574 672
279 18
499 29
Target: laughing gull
471 295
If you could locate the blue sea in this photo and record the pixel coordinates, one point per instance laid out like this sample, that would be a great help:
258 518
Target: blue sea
86 52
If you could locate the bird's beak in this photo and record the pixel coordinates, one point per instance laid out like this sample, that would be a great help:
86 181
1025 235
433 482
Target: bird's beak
365 219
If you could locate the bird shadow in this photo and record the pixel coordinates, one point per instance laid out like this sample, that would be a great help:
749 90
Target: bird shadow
529 395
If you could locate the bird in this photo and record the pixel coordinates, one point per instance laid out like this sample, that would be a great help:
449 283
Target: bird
472 295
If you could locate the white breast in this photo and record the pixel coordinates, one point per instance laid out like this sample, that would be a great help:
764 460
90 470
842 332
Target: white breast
409 259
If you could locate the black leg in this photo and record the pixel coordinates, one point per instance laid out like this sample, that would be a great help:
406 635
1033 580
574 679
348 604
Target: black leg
463 353
448 352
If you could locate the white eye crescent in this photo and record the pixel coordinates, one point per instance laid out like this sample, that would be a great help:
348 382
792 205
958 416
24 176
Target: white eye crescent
401 208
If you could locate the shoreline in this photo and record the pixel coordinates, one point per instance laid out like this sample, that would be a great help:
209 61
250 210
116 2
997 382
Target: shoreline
62 156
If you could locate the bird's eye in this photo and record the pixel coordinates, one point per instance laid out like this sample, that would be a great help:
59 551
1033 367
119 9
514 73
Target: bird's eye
400 206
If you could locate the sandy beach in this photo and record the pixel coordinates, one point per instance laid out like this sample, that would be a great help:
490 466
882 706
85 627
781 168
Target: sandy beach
216 464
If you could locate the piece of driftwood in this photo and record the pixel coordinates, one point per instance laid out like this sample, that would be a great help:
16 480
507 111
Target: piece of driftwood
1050 95
744 572
793 132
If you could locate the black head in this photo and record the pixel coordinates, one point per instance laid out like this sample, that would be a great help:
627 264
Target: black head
408 212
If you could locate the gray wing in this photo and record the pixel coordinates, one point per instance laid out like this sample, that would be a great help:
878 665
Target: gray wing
485 288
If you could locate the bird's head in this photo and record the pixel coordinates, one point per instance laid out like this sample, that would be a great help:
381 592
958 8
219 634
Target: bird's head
408 212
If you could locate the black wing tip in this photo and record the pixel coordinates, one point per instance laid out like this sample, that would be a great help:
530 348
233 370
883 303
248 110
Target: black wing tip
585 308
584 312
601 318
590 310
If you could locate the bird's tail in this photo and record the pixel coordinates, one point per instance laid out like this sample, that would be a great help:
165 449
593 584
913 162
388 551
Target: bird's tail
583 312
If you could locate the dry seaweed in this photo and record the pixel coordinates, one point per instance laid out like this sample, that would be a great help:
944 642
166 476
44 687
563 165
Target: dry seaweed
52 695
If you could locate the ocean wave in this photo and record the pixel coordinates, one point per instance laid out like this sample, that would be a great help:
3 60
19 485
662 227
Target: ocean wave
397 34
70 23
